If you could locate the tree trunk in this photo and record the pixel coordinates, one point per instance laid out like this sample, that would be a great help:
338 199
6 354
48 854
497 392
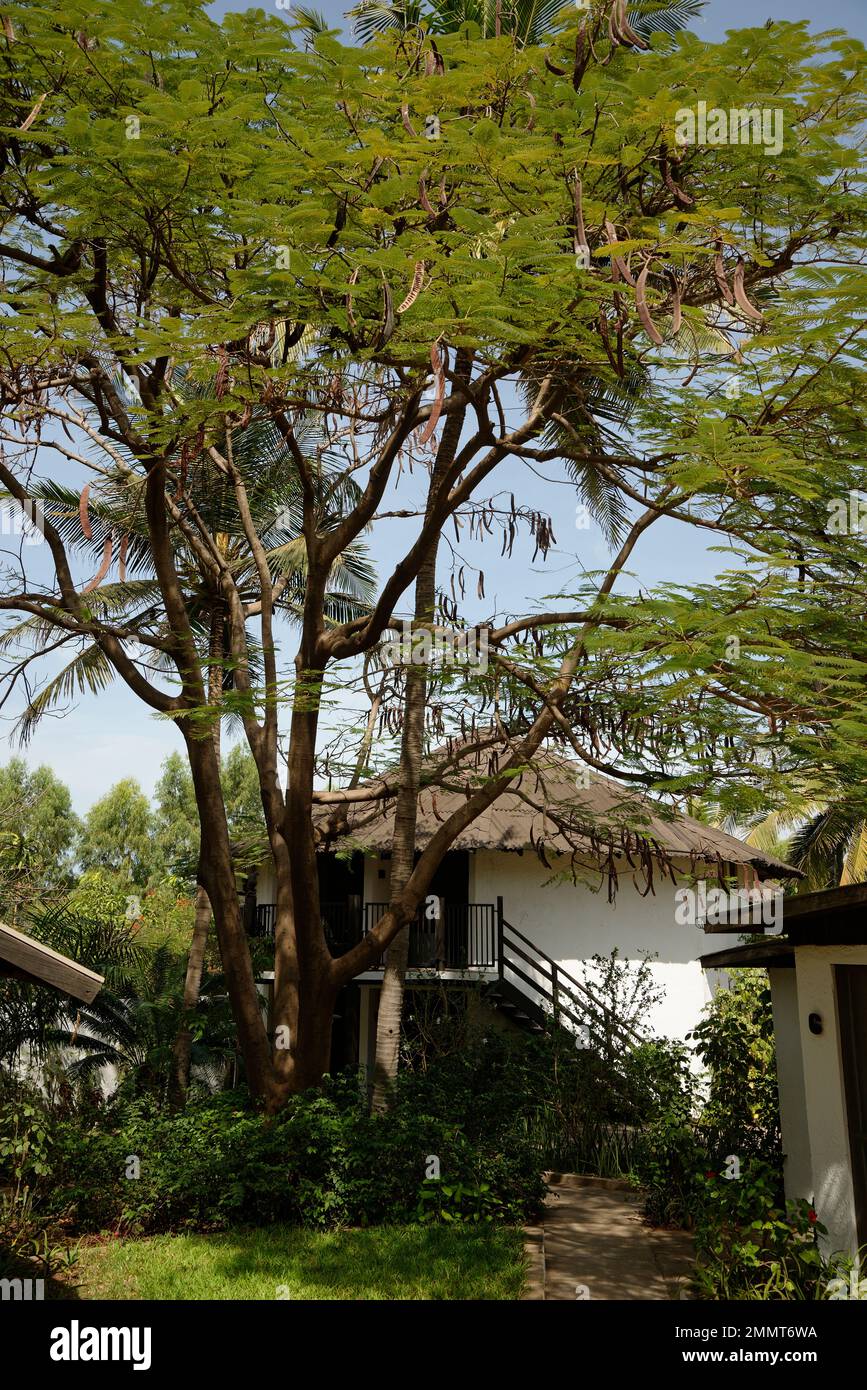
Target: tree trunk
182 1050
388 1026
183 1044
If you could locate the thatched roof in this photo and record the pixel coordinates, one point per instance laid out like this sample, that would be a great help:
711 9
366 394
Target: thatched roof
550 812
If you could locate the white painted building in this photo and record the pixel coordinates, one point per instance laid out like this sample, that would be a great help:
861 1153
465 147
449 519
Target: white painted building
525 899
818 975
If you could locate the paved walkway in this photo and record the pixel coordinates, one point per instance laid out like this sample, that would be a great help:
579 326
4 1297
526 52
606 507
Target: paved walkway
593 1244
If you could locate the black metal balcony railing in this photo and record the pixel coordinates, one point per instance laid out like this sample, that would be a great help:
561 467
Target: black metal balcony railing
462 937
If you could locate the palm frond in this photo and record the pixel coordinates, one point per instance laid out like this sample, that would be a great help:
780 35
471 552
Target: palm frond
664 18
820 847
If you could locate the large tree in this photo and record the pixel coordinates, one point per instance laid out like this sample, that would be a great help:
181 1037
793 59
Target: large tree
38 830
415 265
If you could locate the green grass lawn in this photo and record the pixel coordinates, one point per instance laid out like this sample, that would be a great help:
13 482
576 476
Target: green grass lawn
386 1262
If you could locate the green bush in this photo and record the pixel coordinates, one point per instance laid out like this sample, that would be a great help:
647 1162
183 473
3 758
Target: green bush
735 1042
323 1162
751 1245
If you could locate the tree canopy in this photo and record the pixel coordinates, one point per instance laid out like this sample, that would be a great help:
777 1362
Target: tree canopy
415 261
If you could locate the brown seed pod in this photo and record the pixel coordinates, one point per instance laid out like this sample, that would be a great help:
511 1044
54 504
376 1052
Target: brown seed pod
676 311
741 299
8 29
349 314
407 123
626 30
121 559
423 198
414 289
619 268
532 121
580 234
649 326
719 274
433 419
83 514
388 319
103 569
28 121
613 31
683 199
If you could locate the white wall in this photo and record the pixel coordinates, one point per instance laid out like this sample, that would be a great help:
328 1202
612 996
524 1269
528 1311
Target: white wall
571 923
797 1163
833 1196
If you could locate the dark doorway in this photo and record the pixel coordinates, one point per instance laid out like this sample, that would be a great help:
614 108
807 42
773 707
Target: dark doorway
851 983
341 893
452 878
445 938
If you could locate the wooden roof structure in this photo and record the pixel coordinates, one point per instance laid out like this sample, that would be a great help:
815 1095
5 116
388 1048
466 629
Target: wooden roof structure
22 957
830 917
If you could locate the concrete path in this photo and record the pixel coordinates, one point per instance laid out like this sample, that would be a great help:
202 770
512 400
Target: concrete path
593 1244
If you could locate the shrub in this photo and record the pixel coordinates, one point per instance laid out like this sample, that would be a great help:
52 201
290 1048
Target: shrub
751 1244
322 1162
735 1041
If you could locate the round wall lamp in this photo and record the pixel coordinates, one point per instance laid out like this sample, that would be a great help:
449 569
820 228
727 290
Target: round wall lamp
814 1023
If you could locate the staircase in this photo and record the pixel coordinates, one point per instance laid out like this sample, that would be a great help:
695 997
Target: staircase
534 991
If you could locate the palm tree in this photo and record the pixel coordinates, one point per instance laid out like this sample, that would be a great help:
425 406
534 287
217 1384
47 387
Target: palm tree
132 1023
825 838
115 510
529 21
831 847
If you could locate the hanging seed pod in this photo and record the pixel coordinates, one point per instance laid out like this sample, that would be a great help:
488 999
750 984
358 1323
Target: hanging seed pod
676 311
741 299
580 234
682 199
121 559
352 280
8 29
407 123
719 274
649 326
552 67
430 64
531 124
619 268
414 289
388 319
613 31
83 514
433 420
625 28
103 569
423 198
28 121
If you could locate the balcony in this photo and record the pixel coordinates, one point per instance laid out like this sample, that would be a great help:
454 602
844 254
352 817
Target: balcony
463 937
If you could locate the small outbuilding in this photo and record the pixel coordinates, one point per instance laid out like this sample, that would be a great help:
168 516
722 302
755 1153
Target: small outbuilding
818 976
22 957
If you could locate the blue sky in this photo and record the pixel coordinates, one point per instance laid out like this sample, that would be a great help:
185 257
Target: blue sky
101 739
